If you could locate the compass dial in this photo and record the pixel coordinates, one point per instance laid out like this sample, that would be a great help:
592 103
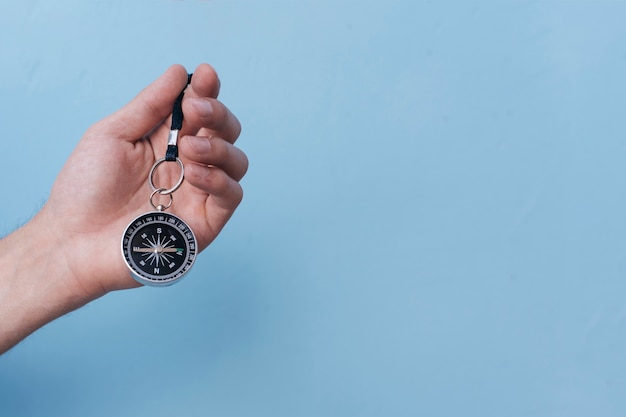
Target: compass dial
159 248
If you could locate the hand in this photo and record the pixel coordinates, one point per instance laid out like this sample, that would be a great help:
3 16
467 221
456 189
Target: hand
104 184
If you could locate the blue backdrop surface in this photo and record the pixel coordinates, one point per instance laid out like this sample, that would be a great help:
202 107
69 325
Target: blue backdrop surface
433 222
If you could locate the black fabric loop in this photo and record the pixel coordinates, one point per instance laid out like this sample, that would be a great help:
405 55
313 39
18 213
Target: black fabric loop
177 112
177 121
172 153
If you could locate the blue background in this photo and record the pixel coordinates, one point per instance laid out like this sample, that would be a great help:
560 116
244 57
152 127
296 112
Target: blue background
433 223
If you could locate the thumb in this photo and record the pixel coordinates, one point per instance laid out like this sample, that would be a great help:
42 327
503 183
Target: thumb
149 108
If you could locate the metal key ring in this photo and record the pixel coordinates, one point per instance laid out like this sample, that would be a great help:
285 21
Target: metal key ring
161 207
166 191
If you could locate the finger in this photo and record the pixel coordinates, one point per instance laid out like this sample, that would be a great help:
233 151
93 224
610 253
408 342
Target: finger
223 191
217 152
205 82
210 114
148 108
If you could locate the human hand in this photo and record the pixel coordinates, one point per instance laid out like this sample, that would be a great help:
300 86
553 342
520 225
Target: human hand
103 185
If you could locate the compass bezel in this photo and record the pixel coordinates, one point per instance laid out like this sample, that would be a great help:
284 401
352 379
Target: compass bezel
148 223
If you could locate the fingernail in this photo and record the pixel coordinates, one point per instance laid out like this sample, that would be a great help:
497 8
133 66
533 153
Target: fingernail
199 145
204 105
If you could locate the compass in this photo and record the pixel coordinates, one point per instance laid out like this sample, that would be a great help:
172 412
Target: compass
159 248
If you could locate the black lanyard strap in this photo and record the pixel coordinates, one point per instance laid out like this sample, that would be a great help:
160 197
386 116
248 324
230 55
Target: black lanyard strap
177 124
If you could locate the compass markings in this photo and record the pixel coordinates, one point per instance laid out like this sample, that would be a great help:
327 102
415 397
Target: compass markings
157 257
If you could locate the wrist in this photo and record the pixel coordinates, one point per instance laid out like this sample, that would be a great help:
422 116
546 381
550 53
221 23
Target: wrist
36 283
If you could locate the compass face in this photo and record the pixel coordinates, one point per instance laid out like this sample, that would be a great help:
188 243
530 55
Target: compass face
159 248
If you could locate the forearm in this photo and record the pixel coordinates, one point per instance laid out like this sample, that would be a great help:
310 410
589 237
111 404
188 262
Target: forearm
36 284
